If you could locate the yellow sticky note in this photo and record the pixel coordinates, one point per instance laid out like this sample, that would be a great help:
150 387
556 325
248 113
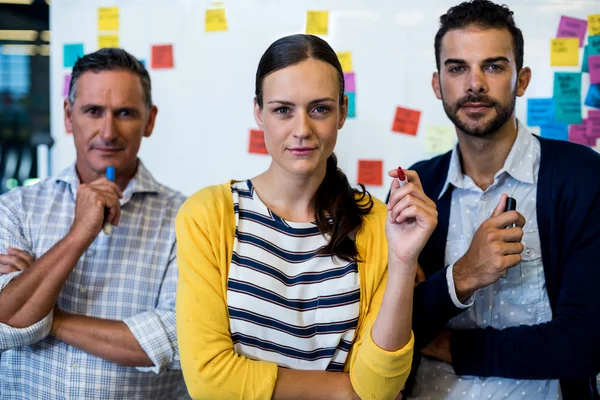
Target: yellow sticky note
594 24
108 41
346 61
215 20
108 18
564 52
439 139
317 22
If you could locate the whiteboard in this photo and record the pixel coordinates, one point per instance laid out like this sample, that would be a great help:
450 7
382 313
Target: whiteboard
205 102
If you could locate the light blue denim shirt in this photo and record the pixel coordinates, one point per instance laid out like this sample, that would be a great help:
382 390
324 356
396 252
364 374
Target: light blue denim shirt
518 299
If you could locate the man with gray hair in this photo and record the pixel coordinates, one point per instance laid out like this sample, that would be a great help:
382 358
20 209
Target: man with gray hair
85 312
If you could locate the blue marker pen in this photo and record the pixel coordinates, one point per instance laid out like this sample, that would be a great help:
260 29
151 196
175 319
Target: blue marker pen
110 175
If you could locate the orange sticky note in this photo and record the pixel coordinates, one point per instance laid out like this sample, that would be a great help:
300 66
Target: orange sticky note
406 121
162 56
370 172
256 144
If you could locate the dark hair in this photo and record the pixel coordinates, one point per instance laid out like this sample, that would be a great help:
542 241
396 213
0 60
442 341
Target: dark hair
482 14
110 59
340 208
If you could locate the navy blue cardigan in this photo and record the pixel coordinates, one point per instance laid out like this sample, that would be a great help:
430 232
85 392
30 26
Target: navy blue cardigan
567 347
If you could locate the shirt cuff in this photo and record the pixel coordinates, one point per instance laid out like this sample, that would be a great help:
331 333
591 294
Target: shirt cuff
153 337
452 290
11 337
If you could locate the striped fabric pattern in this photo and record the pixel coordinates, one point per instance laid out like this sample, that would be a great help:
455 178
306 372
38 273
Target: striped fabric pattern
287 303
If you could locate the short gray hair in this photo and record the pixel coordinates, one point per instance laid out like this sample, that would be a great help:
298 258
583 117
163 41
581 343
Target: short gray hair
110 59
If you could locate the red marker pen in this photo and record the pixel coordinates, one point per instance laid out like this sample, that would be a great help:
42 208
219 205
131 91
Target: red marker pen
401 177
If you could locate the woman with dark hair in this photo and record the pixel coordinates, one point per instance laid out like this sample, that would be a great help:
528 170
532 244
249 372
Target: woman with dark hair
292 284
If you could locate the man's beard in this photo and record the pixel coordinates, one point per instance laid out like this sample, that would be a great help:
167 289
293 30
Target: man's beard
503 113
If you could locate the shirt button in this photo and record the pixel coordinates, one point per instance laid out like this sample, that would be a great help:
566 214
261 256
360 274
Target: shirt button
484 197
82 289
528 252
75 365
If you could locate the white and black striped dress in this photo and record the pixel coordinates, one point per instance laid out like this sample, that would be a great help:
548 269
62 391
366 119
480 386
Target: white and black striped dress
288 304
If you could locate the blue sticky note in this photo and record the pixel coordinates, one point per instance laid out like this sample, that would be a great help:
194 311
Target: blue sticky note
568 111
594 45
351 104
556 130
71 52
143 62
540 111
584 63
593 96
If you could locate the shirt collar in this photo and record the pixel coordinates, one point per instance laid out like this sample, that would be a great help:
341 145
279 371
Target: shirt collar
517 164
142 181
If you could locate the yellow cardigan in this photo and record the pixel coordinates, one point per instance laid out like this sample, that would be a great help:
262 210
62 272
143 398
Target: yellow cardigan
212 370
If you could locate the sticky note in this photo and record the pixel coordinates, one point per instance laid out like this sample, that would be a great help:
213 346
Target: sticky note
572 28
349 83
108 18
215 20
594 45
162 56
71 52
256 144
351 105
557 130
578 134
346 61
564 52
593 124
594 68
406 121
594 24
592 99
66 84
567 97
105 41
568 111
141 60
540 111
370 172
584 63
567 85
317 22
439 139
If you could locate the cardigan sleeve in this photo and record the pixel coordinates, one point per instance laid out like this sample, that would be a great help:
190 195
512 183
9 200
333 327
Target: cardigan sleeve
376 373
211 368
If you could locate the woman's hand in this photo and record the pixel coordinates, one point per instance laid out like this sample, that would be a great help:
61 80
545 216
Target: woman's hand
412 217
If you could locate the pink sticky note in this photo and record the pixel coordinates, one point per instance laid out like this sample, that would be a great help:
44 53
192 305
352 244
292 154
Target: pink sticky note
578 134
572 27
66 85
349 82
594 67
593 125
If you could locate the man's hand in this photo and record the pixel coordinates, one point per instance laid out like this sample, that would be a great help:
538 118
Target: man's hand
92 201
440 347
493 251
15 260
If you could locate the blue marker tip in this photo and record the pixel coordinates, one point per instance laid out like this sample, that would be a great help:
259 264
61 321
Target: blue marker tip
110 173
